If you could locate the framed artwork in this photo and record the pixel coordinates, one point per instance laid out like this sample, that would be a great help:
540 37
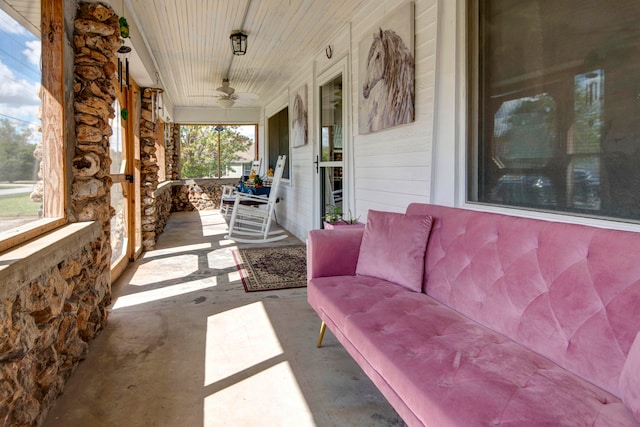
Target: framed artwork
386 90
299 123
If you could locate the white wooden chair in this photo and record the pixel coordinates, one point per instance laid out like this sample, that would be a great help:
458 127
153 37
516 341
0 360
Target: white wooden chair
229 191
252 215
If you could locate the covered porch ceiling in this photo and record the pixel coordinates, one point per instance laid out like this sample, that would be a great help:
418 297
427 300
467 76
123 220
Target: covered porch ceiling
183 46
189 42
187 49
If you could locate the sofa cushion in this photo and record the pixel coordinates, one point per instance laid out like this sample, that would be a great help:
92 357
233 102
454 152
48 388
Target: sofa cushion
630 379
393 248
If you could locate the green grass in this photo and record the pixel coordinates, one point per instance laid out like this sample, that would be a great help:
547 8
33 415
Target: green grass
17 205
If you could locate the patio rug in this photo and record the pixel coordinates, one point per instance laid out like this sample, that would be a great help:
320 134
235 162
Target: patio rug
267 269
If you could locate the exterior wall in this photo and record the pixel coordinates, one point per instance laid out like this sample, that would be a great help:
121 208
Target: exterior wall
163 199
389 169
53 303
393 167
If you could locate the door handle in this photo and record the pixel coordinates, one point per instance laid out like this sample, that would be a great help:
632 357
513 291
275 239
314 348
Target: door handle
317 163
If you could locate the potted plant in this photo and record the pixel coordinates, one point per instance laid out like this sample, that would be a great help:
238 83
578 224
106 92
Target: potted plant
334 218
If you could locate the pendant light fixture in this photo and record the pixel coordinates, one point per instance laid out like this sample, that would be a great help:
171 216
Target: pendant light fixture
238 43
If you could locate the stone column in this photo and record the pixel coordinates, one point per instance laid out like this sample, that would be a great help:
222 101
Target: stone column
96 38
148 172
168 150
177 164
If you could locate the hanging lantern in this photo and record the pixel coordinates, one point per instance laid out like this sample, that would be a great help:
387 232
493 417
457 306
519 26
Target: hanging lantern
238 43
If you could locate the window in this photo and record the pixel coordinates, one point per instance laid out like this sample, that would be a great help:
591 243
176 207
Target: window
31 141
554 106
217 151
279 139
20 134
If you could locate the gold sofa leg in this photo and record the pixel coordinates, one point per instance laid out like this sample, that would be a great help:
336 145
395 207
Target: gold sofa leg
323 327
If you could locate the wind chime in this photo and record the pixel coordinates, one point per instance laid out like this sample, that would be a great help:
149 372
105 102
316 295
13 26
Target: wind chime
123 52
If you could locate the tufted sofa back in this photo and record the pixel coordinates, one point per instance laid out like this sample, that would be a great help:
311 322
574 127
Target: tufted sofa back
568 292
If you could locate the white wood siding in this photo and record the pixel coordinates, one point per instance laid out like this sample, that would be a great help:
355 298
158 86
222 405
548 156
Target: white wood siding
392 168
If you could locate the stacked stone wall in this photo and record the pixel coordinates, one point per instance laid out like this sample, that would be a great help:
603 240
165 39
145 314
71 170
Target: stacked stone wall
148 172
96 38
51 308
198 194
172 152
45 325
163 206
177 165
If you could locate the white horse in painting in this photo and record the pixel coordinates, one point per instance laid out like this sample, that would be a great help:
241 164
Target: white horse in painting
299 131
389 84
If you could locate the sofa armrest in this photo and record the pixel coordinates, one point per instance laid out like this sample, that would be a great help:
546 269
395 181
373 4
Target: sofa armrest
333 252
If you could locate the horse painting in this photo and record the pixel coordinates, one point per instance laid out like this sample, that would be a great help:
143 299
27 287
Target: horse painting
388 89
299 122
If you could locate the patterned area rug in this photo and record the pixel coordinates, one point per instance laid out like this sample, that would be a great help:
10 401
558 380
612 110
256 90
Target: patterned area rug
266 269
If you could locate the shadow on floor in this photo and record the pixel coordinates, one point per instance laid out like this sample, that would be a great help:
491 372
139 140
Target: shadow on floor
186 346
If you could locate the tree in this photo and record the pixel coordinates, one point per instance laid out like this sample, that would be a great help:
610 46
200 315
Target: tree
16 153
199 149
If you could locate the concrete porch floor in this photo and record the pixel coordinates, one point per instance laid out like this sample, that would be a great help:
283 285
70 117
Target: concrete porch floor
187 346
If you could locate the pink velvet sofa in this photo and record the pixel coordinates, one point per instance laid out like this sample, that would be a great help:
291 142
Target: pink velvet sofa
513 322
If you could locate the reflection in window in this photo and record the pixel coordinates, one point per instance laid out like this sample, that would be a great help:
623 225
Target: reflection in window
588 107
331 149
21 195
331 95
555 106
583 183
332 186
118 221
524 132
116 141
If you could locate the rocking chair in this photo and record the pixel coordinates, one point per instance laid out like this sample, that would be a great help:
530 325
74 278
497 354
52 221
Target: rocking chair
252 215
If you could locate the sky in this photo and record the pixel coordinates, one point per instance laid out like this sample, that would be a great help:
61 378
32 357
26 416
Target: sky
19 73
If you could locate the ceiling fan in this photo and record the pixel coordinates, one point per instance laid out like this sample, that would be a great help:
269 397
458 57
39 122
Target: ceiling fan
228 97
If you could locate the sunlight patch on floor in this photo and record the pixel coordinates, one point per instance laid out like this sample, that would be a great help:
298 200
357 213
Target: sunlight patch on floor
217 260
238 339
234 276
245 368
156 270
214 232
226 242
176 250
269 398
163 293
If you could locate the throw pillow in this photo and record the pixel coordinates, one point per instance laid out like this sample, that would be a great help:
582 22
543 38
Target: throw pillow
393 248
629 381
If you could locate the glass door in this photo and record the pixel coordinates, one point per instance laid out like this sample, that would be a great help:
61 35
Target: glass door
125 232
332 189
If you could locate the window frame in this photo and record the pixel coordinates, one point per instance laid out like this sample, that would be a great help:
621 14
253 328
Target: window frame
475 142
52 25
